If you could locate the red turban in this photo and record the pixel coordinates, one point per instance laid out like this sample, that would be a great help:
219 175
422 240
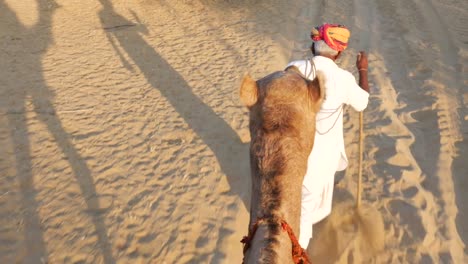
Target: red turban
336 36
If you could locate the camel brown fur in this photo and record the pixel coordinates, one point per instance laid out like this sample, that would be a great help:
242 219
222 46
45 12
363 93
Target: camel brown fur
282 106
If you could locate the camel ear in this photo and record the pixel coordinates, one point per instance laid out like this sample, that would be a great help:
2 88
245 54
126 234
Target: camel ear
317 89
249 91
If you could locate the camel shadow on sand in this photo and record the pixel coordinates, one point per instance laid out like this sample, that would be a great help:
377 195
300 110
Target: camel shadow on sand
215 132
35 41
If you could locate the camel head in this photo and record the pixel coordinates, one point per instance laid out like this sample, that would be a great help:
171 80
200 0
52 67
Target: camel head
282 108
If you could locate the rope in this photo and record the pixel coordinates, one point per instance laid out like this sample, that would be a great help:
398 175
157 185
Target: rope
298 254
340 108
361 147
313 70
333 111
247 239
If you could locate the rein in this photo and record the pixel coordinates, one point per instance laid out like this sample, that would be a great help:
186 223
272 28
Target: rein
299 255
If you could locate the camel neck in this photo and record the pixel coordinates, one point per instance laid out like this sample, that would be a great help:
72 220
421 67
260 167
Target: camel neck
276 195
282 204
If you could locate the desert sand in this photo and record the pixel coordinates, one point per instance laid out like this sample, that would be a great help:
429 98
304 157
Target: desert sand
123 139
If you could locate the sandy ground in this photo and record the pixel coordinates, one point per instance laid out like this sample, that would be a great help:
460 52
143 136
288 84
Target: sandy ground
123 140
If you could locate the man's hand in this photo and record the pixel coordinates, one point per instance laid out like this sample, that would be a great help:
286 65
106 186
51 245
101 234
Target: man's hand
361 64
361 61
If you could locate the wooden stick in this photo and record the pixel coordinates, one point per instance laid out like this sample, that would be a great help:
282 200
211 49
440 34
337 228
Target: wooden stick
361 148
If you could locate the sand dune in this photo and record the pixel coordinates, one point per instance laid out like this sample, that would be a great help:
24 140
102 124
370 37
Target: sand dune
123 140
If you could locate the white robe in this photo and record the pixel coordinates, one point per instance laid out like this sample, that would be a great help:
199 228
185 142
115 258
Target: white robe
328 154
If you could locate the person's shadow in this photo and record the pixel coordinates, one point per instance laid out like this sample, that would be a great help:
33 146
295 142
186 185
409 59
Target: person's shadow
27 62
225 143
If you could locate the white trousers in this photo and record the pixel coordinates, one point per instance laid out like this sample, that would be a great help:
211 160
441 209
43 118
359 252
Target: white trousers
317 199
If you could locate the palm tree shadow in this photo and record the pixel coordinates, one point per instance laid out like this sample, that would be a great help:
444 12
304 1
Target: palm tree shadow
42 97
230 152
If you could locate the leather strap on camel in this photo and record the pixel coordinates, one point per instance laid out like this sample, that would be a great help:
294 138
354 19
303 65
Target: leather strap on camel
299 255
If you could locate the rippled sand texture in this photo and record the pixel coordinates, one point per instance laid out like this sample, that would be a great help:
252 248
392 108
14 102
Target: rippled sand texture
123 140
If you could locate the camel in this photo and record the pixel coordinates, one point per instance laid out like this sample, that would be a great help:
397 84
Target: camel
282 109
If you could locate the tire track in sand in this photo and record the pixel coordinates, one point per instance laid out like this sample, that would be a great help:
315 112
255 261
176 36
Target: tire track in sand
414 89
424 93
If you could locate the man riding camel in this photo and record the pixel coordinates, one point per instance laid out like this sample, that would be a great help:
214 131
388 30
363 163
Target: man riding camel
328 153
